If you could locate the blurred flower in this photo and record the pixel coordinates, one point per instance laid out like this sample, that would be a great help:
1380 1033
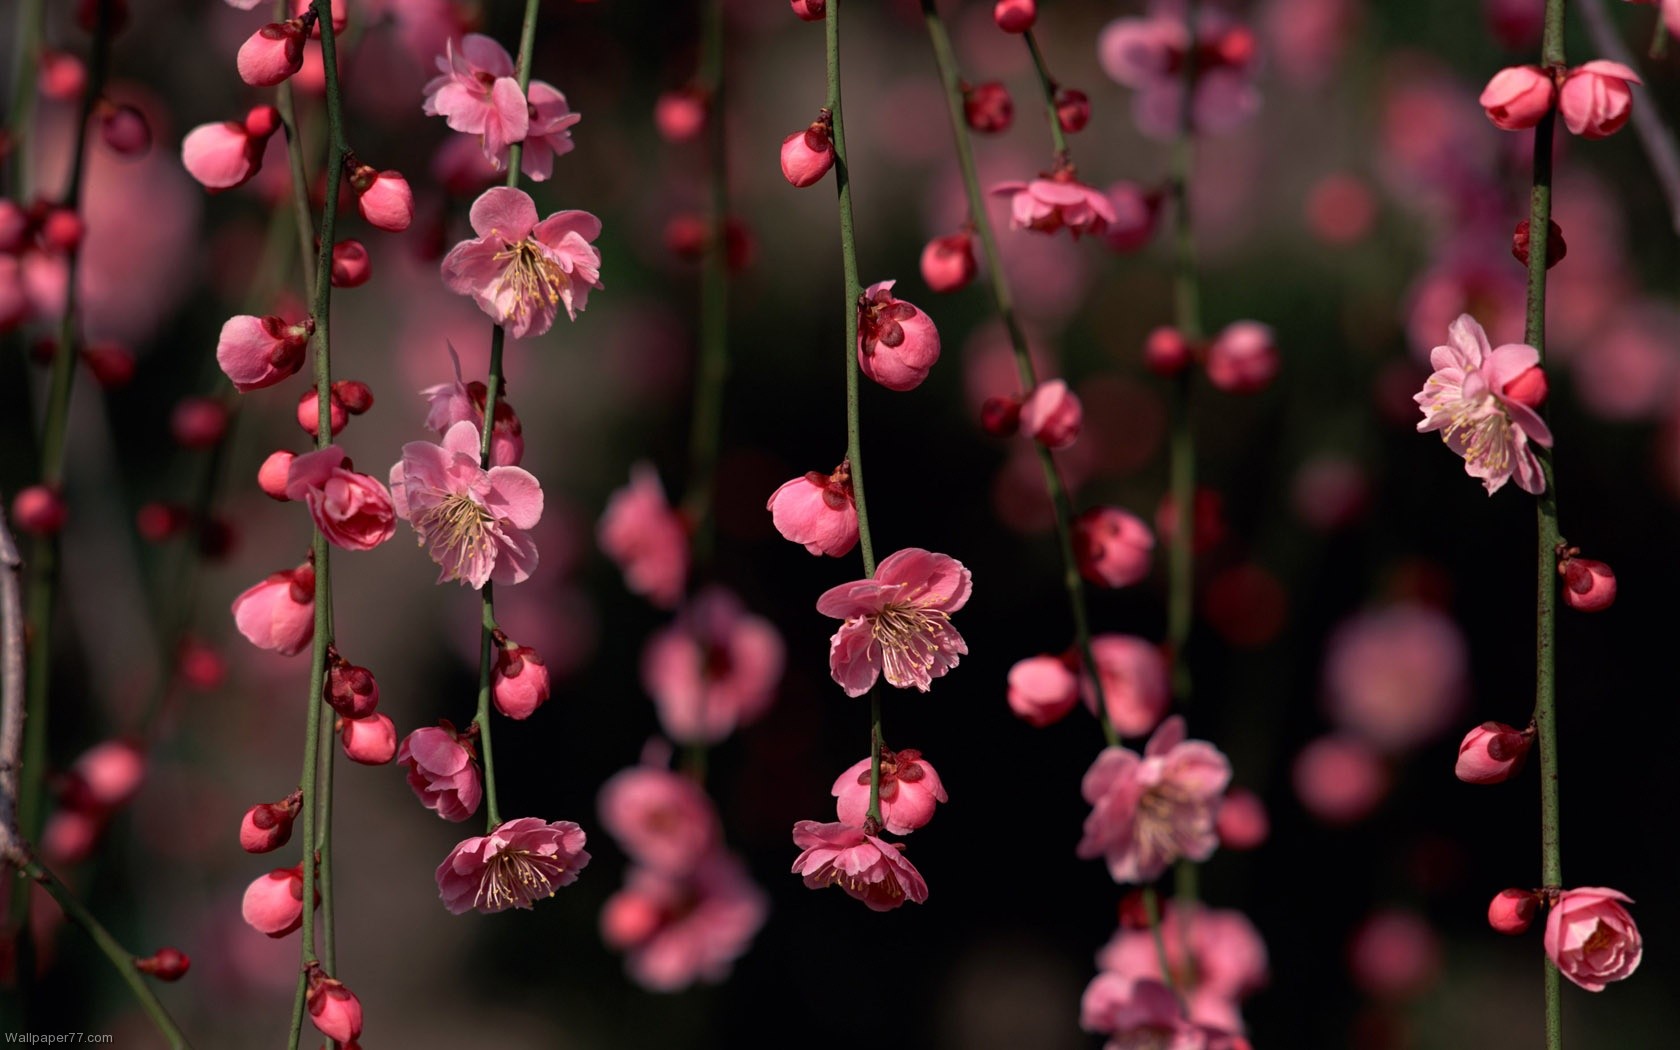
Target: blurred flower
1133 674
1395 954
222 156
518 863
448 404
910 789
473 522
676 931
1149 54
1150 810
1466 399
1042 690
663 820
1339 779
898 622
646 538
1397 675
519 270
868 868
1226 964
1592 938
714 669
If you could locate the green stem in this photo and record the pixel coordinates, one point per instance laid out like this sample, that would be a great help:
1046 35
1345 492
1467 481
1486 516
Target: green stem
323 847
1047 87
1152 909
487 661
951 76
20 116
285 103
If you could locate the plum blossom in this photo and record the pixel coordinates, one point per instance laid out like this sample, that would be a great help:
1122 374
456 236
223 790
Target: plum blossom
818 511
1466 398
1592 938
1056 202
909 791
677 931
517 864
1149 810
521 270
1226 963
279 612
663 820
442 770
646 538
1148 55
550 133
352 510
450 403
476 93
899 622
716 668
473 521
868 868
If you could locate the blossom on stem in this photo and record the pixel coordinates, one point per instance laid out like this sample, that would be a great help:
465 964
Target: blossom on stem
1596 99
1492 753
516 864
1134 683
272 54
279 612
898 622
868 868
817 510
1512 911
1518 97
549 135
1042 689
1112 547
371 741
273 903
267 826
472 521
1149 54
442 770
649 540
450 403
1592 938
897 343
717 667
352 510
1057 201
1226 961
1466 399
807 155
334 1009
1150 810
520 683
1052 415
227 154
520 270
383 198
676 931
1588 585
910 789
476 93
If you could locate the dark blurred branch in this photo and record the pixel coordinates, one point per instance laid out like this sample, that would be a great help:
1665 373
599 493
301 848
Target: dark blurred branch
1654 135
20 114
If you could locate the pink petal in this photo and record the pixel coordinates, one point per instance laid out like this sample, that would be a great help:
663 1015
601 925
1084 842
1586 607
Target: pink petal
552 230
503 212
462 438
516 495
311 471
853 657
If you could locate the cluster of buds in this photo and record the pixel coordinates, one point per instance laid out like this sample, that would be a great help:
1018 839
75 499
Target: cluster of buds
1590 937
1241 359
1051 415
1594 99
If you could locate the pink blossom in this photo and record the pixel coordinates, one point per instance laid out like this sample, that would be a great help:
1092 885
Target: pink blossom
1394 954
663 820
550 133
442 770
1588 585
1592 938
1242 823
1465 399
717 667
680 114
870 869
271 476
1339 779
1042 690
521 683
807 155
1148 55
267 826
1243 358
224 155
1136 213
898 622
272 54
105 777
677 931
451 403
517 864
647 539
39 510
383 197
1140 1013
334 1009
352 510
1149 810
948 262
279 612
371 741
1596 98
474 522
477 93
1518 97
1052 415
1134 681
909 791
1512 911
257 352
1056 202
1015 16
1397 675
897 343
1112 547
817 510
273 903
521 271
1226 964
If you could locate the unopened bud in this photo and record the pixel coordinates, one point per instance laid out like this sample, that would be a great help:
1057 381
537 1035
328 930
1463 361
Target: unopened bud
1513 910
167 964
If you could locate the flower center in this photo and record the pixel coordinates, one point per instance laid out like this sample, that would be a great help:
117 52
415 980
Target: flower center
909 637
531 276
1167 821
517 878
458 527
1482 427
1600 939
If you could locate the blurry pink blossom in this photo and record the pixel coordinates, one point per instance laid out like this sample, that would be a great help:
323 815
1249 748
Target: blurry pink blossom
1148 55
1397 675
1042 690
646 538
1150 810
1052 415
1243 358
898 622
1227 961
222 156
717 667
1056 202
1339 780
663 820
1395 955
677 931
1133 674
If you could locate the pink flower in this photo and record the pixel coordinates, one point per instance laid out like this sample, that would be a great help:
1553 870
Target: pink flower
448 404
715 668
807 155
334 1009
1592 938
1596 98
1243 358
899 622
272 54
647 539
676 931
442 770
474 522
521 681
1112 547
1395 954
383 198
1042 690
279 612
1242 823
1465 399
948 262
1148 55
1149 810
105 777
1015 16
1339 779
267 826
909 791
1226 964
371 741
1588 585
1518 97
897 343
817 510
477 94
1512 911
1397 675
517 864
273 903
870 869
1134 681
222 156
1136 212
521 271
352 510
1052 415
663 820
549 135
1140 1013
1056 202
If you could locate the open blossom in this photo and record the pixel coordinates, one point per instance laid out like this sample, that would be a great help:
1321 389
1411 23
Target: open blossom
1149 810
1226 964
910 789
1148 55
1596 98
1141 1013
472 521
352 510
870 869
715 668
817 510
518 863
442 770
476 93
647 538
279 612
1467 400
1592 938
676 931
549 135
1056 202
1134 682
899 622
521 270
663 820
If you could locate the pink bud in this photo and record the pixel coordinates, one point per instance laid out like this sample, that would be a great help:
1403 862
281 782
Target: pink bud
1491 753
356 396
39 511
1073 110
988 108
810 10
309 413
167 964
157 522
198 422
222 156
1166 352
1243 359
1518 96
61 75
333 1008
1242 822
351 266
807 155
278 613
1052 415
897 343
1015 16
1042 690
273 903
271 476
680 115
1596 98
1588 585
383 198
267 826
124 130
628 919
1513 911
948 262
200 665
1000 416
817 511
106 777
272 54
1592 938
112 364
520 684
1112 547
258 352
351 691
1556 249
61 230
372 741
1527 388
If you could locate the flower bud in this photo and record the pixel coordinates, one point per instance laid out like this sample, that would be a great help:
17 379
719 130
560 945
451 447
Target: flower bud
1166 352
198 422
1052 415
200 665
1492 753
157 522
61 75
680 115
1042 690
273 903
39 511
897 343
351 266
167 964
333 1008
61 230
1518 96
124 130
271 476
111 364
1596 98
520 683
1000 416
1588 585
309 413
383 197
1243 358
372 741
817 511
810 10
257 352
1556 249
1112 547
351 691
1073 110
807 155
267 826
272 54
1527 388
948 262
1513 911
988 108
261 122
355 396
1015 16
